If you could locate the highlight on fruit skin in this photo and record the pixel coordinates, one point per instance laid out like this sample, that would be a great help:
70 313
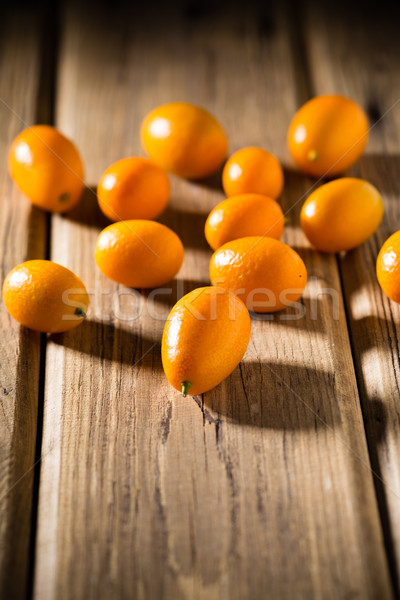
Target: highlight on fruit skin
46 166
204 339
45 296
241 216
265 273
341 214
133 188
139 253
184 139
388 267
328 135
253 170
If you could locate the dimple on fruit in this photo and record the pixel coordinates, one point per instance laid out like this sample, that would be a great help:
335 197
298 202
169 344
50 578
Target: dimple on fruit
45 296
265 273
133 188
341 214
242 216
253 170
184 139
47 168
388 267
204 339
139 253
327 135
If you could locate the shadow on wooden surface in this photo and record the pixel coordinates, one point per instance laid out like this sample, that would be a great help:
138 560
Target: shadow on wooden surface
108 342
87 211
307 314
297 188
213 182
189 226
386 165
271 401
173 291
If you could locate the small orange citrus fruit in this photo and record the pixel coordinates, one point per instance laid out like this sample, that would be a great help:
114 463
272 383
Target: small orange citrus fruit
204 339
47 168
133 188
327 135
341 214
45 296
139 253
253 170
265 273
184 139
388 267
241 216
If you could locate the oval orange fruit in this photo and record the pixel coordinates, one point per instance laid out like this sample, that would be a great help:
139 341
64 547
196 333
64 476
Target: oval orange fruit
184 139
341 214
204 339
253 170
45 296
388 267
327 135
139 253
265 273
241 216
47 168
133 188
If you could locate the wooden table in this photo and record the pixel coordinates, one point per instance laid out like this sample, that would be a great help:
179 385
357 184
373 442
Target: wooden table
283 482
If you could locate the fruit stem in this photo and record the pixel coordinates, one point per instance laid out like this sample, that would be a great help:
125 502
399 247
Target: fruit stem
186 385
312 155
286 220
80 313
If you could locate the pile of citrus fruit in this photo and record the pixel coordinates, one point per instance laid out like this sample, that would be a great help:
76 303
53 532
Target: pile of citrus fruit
208 330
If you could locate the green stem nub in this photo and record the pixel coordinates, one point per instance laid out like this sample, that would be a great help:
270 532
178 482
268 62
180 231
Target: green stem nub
80 313
312 155
286 220
64 198
186 385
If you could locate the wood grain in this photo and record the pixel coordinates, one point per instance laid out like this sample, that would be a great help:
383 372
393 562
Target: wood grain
369 74
22 236
263 486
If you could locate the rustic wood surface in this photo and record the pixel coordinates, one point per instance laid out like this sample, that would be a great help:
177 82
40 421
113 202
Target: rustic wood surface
374 321
22 236
283 482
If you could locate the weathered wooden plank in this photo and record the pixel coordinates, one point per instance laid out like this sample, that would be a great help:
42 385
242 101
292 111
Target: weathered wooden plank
22 236
370 75
265 487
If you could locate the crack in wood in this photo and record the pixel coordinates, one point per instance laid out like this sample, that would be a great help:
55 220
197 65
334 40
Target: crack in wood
166 424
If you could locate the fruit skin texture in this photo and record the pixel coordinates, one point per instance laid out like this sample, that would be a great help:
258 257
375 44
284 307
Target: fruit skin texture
242 216
253 170
204 339
133 188
327 135
341 214
184 139
47 168
139 253
45 296
388 267
265 273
